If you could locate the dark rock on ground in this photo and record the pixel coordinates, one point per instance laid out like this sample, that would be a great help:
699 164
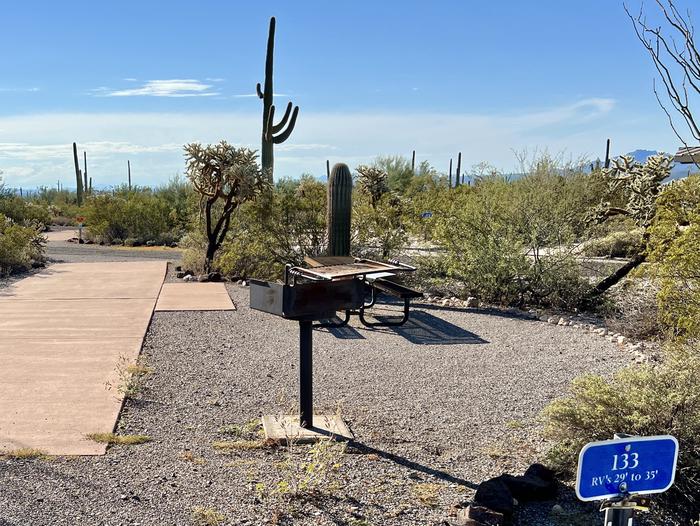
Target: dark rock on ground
214 276
536 484
495 494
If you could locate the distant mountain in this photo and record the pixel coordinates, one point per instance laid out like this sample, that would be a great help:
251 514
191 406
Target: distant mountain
677 172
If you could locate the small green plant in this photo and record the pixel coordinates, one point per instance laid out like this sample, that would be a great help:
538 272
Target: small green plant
131 377
202 516
113 439
312 472
24 454
251 428
426 493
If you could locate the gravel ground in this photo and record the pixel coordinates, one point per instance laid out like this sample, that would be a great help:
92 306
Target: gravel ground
437 406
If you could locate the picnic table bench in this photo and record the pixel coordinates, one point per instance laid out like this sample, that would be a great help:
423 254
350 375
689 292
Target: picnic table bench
377 280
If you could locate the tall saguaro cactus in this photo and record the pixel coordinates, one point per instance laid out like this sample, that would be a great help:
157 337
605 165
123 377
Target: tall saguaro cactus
273 133
86 187
78 176
339 210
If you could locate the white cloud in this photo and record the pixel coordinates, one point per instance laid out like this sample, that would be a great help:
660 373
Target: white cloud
101 149
162 88
153 141
251 95
19 90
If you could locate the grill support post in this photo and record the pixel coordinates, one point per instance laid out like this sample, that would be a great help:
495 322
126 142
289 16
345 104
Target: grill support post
306 409
619 517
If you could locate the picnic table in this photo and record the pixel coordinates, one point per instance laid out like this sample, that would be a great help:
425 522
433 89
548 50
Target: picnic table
377 276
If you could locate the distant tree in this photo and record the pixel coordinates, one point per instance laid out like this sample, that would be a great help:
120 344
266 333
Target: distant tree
225 177
676 57
398 169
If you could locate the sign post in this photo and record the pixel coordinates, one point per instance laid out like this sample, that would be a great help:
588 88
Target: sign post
621 471
80 220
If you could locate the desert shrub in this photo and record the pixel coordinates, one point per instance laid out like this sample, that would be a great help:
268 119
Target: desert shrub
138 215
633 309
621 244
284 228
511 242
639 400
674 250
379 226
194 244
24 212
20 246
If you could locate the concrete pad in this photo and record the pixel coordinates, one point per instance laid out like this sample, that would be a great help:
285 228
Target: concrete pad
194 296
129 280
66 333
61 235
286 428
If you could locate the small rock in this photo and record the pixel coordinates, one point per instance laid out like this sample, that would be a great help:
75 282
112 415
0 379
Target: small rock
557 510
214 276
479 516
485 516
188 278
561 321
203 278
472 302
494 494
621 339
180 275
552 320
245 283
178 268
445 302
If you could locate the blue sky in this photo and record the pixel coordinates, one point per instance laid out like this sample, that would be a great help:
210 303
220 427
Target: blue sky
136 80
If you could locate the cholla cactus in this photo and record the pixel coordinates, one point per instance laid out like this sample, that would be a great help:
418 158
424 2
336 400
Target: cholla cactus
639 184
224 177
374 181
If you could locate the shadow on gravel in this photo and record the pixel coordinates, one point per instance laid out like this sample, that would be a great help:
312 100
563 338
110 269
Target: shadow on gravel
357 447
423 328
510 313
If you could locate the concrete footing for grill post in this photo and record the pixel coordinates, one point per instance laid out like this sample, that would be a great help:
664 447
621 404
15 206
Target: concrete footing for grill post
286 429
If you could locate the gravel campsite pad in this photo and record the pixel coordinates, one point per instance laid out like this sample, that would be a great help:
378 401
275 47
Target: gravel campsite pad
436 407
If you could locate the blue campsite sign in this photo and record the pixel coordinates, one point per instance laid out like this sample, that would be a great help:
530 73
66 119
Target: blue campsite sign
630 465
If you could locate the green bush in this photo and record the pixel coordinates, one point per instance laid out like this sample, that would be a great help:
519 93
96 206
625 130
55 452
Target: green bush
379 227
20 246
511 242
639 400
674 250
137 215
268 233
621 244
24 212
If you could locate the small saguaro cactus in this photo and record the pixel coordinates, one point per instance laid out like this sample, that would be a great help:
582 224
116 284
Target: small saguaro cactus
459 168
339 210
272 133
86 186
78 176
450 181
